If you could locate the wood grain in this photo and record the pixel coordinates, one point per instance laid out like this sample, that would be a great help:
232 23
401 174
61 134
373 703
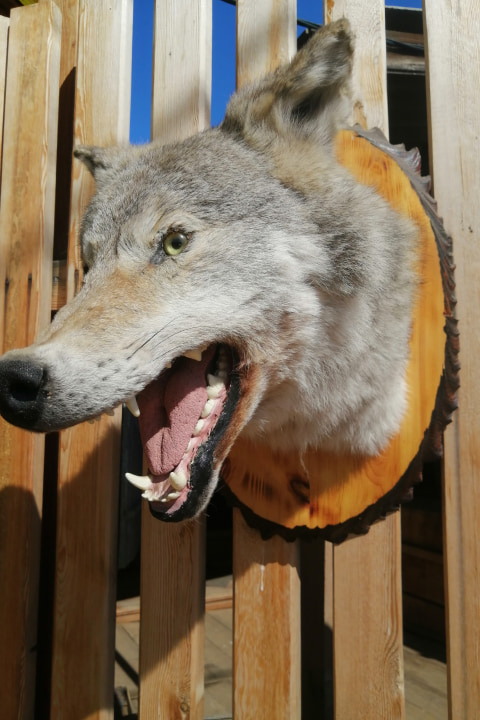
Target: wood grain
452 30
369 75
172 631
173 560
367 570
266 581
266 661
266 37
182 59
4 25
88 464
68 64
26 243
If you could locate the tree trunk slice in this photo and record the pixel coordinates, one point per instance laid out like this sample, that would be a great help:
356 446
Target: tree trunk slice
337 495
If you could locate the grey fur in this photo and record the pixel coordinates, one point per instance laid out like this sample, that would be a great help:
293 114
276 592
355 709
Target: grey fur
308 274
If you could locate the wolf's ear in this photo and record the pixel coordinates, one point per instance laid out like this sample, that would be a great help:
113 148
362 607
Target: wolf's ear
102 162
309 97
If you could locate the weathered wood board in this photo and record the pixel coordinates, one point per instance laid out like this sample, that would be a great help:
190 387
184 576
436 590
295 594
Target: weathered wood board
88 464
4 25
173 559
26 244
453 80
368 568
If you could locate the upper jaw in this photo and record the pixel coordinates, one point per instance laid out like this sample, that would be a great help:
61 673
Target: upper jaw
240 395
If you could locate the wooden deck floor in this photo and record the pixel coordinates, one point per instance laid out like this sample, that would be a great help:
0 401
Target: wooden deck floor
425 674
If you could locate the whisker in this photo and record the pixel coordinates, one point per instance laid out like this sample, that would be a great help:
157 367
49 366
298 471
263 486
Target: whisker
172 335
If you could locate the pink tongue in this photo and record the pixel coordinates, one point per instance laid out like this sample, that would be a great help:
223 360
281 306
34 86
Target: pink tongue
169 410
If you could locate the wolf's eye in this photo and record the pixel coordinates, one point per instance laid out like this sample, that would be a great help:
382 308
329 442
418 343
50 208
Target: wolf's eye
174 242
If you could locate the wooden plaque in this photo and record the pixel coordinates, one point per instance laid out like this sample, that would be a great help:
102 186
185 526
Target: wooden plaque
335 495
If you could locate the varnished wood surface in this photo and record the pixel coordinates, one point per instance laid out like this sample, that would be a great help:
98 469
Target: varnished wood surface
173 562
88 463
452 30
26 243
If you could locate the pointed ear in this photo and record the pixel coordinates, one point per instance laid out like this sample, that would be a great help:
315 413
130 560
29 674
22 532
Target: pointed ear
102 162
309 97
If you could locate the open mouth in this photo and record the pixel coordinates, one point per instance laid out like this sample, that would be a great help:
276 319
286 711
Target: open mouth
183 416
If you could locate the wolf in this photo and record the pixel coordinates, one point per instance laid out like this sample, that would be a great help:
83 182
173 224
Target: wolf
238 283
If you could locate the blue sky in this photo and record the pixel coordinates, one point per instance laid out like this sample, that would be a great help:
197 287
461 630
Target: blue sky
223 71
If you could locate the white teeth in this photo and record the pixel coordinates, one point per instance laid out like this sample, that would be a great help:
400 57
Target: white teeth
189 446
193 354
222 374
214 391
198 427
178 480
142 482
215 386
207 408
173 496
132 405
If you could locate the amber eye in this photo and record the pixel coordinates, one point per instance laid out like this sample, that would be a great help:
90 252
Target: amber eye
174 242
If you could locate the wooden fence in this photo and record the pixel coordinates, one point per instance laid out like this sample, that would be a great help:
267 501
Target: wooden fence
66 68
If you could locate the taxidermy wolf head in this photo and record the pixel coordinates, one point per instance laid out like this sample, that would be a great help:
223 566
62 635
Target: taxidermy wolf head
239 282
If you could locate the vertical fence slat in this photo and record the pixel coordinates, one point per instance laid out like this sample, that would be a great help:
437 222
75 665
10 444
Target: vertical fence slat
266 37
266 626
266 573
26 244
172 632
368 654
88 466
452 29
4 24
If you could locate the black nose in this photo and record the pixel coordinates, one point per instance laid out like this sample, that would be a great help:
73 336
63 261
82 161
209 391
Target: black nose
21 384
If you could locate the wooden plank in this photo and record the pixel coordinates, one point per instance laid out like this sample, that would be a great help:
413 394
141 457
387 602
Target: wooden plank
4 25
26 243
452 30
266 576
370 66
266 651
425 687
88 466
367 570
266 37
172 633
182 59
68 63
173 557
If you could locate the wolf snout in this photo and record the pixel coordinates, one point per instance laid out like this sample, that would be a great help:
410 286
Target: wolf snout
21 384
